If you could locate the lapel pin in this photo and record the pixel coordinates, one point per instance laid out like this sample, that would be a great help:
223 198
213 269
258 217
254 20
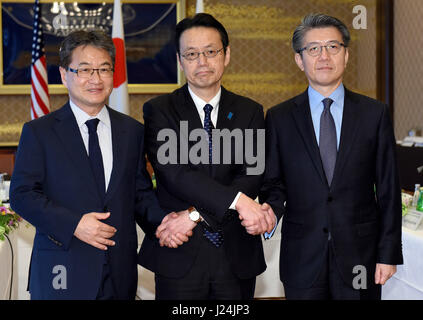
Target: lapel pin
230 114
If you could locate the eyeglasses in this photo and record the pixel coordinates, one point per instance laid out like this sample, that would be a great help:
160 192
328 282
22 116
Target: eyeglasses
314 49
88 72
195 54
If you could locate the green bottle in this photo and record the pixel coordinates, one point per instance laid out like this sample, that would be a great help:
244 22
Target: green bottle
420 202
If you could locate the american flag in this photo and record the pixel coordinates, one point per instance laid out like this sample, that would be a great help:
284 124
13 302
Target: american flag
40 100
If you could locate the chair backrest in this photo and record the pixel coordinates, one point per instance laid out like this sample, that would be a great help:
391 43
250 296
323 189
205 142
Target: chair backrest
7 160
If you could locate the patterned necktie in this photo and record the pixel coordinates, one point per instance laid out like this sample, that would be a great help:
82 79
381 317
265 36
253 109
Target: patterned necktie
327 140
214 237
208 126
94 154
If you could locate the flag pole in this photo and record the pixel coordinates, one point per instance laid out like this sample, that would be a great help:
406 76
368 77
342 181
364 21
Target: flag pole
199 8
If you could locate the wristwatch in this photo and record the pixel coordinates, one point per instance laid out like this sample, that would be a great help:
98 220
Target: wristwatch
194 215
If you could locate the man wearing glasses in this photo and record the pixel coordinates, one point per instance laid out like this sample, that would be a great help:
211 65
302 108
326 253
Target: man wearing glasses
224 254
331 173
80 179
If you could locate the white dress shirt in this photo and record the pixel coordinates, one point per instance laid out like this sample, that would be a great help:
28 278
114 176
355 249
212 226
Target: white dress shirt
104 133
214 102
200 103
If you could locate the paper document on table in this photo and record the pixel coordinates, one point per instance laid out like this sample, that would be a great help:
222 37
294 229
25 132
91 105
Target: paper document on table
412 141
412 219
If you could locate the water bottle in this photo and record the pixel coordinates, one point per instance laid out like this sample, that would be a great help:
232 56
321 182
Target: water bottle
416 195
3 196
420 202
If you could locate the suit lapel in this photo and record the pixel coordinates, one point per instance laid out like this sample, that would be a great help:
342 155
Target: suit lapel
227 115
119 147
186 111
302 117
348 132
185 108
226 119
69 134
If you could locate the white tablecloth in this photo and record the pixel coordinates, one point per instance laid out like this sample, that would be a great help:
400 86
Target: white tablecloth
407 282
6 267
268 284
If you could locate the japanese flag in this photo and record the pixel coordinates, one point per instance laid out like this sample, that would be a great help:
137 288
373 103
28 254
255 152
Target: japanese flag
119 99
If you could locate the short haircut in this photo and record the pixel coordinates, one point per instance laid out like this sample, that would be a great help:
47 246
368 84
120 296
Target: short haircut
201 20
314 21
95 38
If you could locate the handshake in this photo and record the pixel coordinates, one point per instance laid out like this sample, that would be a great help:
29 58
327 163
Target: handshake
176 227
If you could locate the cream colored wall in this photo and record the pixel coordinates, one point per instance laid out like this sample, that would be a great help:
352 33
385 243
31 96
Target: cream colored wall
408 66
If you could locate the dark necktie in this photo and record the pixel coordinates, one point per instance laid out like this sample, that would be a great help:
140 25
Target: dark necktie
214 237
208 126
94 154
327 140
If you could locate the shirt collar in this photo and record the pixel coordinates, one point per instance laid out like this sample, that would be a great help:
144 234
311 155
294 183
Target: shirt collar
81 116
315 98
200 103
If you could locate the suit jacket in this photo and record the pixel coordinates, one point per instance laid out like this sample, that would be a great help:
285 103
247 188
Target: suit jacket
209 188
362 207
53 186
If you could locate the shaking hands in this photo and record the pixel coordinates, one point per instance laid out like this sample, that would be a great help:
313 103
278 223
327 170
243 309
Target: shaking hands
176 227
256 218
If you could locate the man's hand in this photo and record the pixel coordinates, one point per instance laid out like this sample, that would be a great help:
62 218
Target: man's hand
95 233
175 229
255 218
266 207
384 272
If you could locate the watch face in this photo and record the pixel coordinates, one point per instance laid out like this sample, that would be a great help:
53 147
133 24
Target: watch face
194 215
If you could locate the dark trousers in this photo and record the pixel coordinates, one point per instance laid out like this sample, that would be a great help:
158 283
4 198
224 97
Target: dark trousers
210 278
330 286
107 288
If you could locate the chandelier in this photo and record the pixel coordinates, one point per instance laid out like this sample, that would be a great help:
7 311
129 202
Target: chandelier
63 18
60 18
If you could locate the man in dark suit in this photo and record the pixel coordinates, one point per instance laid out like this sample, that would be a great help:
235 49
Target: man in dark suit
80 179
331 172
224 255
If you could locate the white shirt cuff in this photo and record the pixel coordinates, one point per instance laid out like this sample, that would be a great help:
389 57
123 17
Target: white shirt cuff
235 201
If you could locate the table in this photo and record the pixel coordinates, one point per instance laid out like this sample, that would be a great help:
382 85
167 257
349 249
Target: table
407 282
268 284
6 267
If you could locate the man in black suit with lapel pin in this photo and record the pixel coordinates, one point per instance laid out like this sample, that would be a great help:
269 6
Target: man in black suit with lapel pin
80 179
224 254
331 173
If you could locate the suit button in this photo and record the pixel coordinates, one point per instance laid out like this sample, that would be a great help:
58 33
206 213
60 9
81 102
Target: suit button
325 230
330 198
105 209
